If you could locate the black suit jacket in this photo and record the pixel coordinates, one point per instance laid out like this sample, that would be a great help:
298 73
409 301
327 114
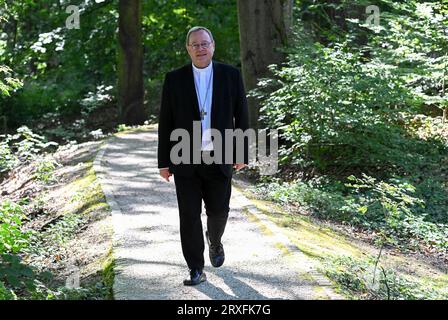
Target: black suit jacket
179 108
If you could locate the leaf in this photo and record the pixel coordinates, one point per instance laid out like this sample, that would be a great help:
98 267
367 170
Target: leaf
362 210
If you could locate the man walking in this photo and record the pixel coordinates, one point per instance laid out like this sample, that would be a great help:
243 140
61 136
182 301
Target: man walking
212 93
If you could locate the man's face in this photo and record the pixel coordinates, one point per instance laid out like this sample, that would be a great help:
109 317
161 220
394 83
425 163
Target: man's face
200 56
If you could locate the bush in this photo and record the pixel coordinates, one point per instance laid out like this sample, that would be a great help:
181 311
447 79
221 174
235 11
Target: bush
20 279
391 208
6 294
12 238
348 102
7 83
333 110
45 170
344 104
23 146
7 159
27 145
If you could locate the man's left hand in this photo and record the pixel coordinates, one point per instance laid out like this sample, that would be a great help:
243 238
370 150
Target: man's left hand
239 166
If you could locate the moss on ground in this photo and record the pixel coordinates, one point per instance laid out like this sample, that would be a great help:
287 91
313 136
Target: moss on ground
108 274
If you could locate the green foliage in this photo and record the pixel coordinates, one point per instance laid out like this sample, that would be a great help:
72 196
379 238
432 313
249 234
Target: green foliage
7 159
341 102
123 127
23 146
417 42
349 275
388 209
27 145
349 100
24 282
15 276
92 292
316 196
165 25
95 100
109 275
22 278
45 170
393 209
5 293
66 71
356 278
12 238
336 111
60 66
7 83
62 230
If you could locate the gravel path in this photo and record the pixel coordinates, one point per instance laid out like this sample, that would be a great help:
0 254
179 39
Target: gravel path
260 263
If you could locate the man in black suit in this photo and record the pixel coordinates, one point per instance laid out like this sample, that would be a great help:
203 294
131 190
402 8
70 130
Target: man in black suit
213 94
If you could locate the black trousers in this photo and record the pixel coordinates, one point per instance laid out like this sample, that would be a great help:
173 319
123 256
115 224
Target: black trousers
208 183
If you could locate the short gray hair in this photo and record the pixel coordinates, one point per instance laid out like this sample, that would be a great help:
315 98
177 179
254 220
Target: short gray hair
198 28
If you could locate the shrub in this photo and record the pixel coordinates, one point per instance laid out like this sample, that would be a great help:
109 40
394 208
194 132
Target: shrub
23 146
390 208
12 238
334 110
7 159
45 170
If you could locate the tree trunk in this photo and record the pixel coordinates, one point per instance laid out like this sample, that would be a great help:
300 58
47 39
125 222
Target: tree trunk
130 62
445 110
264 25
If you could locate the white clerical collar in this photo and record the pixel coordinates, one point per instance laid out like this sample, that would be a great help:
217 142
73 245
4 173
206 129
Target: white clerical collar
206 69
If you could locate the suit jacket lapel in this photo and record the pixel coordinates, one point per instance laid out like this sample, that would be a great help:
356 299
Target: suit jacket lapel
191 91
216 81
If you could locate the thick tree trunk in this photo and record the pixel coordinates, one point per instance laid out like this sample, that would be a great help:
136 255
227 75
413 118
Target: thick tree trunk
130 62
445 110
264 25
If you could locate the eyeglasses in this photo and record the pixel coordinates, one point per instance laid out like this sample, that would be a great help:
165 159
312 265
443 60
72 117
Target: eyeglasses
204 45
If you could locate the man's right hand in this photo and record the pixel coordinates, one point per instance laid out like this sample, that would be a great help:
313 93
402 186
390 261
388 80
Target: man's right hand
165 174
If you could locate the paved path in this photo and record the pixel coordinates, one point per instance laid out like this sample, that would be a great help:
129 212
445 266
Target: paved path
149 261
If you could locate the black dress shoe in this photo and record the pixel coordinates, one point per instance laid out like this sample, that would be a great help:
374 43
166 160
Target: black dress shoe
216 253
196 277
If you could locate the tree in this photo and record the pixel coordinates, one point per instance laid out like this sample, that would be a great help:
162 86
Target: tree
130 62
264 27
7 83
